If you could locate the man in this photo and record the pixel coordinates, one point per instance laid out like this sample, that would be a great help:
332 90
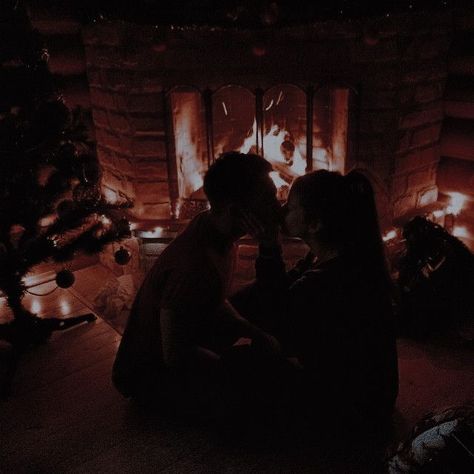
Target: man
181 321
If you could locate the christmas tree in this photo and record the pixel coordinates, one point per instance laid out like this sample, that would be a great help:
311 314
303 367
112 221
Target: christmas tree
51 205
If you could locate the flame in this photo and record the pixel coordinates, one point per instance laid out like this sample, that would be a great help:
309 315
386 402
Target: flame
272 150
190 175
457 203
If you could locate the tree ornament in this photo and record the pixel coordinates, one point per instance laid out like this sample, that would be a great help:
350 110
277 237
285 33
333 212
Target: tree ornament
122 256
38 132
65 278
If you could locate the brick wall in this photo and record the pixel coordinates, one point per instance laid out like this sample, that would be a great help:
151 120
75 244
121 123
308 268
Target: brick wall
397 66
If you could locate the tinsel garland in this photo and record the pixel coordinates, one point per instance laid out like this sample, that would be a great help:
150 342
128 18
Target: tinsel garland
51 206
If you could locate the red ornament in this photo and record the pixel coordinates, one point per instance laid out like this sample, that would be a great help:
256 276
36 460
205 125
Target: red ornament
65 278
122 256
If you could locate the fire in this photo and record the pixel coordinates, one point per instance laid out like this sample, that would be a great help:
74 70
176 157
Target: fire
190 175
279 150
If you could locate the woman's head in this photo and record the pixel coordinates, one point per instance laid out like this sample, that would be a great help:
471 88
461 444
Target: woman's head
316 207
336 211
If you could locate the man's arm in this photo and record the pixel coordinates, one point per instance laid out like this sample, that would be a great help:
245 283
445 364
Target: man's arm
241 327
178 345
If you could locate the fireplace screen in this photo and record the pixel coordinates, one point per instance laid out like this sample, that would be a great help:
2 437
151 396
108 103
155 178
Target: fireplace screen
296 130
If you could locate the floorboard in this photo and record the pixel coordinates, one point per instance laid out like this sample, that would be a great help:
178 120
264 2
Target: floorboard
64 415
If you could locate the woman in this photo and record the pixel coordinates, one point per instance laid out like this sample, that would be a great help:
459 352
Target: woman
335 317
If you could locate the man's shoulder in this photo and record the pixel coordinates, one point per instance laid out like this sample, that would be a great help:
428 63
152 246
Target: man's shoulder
183 254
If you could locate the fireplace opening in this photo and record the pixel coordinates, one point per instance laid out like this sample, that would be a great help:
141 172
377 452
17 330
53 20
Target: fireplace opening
297 130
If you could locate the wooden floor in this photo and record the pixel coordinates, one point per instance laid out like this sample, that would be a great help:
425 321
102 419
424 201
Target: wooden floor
65 416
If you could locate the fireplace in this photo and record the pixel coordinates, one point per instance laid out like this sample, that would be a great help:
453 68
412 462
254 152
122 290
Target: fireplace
296 129
167 100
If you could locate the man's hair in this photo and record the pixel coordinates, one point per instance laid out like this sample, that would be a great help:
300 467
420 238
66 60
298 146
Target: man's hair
234 178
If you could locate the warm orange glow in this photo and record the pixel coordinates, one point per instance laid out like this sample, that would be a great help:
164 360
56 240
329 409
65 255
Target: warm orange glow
35 306
460 231
105 220
110 195
279 182
272 147
150 234
186 107
456 204
65 307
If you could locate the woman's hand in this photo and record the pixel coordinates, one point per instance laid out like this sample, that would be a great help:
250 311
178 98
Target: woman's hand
266 233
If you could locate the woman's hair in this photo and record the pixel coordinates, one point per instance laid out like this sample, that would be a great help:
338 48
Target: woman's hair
345 207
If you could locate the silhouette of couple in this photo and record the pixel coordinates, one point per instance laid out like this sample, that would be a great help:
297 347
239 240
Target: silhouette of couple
321 333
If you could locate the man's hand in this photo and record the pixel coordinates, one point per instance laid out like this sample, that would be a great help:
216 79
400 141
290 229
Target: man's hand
266 233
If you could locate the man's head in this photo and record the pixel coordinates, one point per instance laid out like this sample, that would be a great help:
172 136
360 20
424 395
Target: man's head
238 181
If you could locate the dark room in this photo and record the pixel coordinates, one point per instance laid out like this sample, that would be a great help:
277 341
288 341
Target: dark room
237 236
